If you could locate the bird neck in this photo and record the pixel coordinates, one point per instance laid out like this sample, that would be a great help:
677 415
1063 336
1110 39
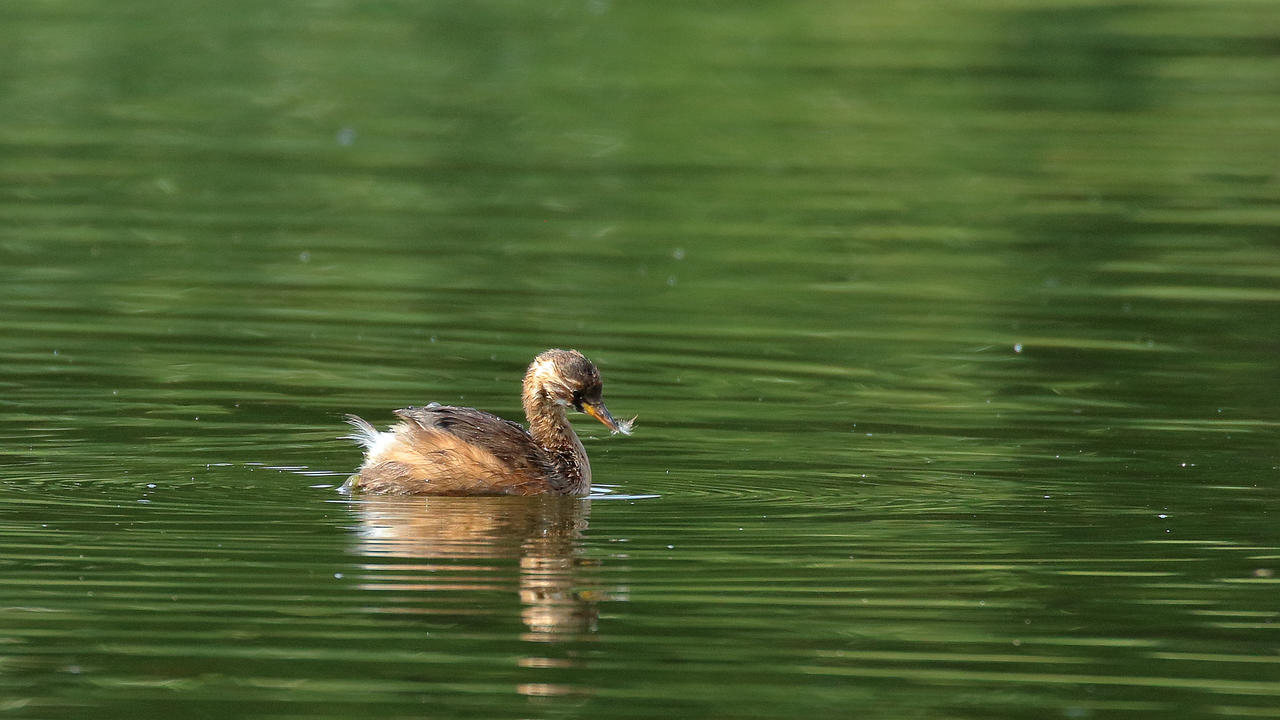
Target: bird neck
550 428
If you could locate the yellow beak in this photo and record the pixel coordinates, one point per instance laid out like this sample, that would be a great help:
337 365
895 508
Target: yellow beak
601 413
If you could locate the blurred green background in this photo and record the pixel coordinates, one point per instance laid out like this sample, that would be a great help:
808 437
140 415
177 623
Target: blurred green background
951 329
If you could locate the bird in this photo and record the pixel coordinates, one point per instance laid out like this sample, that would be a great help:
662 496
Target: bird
445 450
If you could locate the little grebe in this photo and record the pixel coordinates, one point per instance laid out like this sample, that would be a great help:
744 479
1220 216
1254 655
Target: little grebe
443 450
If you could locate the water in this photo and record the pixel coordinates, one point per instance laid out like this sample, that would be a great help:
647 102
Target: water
951 330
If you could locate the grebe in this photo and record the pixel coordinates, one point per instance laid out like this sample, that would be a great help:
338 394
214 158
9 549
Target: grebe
443 450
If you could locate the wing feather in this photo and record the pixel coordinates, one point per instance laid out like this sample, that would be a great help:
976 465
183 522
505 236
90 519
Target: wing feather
444 450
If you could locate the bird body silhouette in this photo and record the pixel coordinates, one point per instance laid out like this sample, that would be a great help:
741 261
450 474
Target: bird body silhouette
445 450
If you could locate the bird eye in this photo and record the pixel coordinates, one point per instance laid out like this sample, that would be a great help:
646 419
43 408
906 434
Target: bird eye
577 400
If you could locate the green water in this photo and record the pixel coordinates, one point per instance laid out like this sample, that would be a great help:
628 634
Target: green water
951 329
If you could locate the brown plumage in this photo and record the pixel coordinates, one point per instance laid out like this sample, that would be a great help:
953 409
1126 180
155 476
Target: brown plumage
443 450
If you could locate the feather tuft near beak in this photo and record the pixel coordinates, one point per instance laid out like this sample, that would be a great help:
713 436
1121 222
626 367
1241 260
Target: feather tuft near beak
601 413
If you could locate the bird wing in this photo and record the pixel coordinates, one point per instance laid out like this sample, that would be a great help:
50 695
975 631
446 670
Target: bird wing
476 432
468 424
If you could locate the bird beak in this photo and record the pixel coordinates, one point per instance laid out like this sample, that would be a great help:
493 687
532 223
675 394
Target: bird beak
601 413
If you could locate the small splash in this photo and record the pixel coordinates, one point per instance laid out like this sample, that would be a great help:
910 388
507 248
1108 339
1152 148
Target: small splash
611 492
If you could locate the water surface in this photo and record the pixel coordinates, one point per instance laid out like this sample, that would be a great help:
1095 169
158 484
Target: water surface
951 331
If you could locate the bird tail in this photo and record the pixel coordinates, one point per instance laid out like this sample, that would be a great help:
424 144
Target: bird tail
365 434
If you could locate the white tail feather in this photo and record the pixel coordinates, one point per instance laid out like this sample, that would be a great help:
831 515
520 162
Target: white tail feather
366 435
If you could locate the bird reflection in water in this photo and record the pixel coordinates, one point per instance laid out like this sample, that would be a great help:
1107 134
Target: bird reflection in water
451 544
